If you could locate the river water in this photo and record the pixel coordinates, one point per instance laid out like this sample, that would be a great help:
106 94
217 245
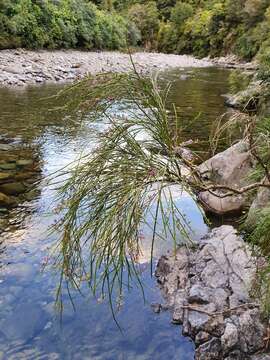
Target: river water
30 326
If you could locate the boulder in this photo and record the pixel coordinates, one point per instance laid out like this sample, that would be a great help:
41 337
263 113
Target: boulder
222 206
229 168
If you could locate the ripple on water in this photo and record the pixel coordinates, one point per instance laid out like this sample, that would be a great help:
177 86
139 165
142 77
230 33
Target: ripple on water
29 326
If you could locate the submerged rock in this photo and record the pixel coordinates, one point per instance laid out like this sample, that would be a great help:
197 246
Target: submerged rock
6 201
229 168
208 291
13 188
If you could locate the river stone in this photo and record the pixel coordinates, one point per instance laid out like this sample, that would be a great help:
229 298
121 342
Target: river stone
24 162
202 337
8 166
260 357
230 168
6 147
209 350
3 223
199 295
5 175
214 203
6 200
218 275
248 99
252 331
230 337
13 188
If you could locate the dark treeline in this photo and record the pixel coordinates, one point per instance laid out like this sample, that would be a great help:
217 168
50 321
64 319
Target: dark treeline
200 27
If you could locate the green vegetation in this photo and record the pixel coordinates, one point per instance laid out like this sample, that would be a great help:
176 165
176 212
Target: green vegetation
60 24
123 186
207 27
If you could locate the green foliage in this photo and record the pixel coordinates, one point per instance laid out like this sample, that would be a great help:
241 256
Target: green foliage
260 238
123 185
200 27
181 12
60 24
238 81
216 27
145 17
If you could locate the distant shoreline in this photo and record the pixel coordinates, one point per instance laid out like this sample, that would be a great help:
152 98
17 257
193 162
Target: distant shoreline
21 67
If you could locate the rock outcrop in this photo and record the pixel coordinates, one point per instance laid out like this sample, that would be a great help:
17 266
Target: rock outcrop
230 168
19 170
250 99
208 292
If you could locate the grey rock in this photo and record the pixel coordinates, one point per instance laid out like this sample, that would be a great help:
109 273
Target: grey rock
202 337
260 357
230 337
210 350
6 147
199 294
248 99
204 289
230 168
156 307
252 330
235 355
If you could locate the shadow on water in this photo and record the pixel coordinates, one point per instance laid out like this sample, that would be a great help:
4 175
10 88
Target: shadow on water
29 324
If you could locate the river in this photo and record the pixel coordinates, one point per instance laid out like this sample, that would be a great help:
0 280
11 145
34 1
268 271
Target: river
30 326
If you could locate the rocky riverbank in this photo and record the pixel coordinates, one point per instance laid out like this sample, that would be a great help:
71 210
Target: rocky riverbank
209 293
19 170
233 62
210 289
21 67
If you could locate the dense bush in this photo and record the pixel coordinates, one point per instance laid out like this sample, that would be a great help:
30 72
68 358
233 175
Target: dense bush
145 17
60 24
200 27
216 27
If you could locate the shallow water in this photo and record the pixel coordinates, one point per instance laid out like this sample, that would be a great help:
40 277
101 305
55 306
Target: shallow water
30 328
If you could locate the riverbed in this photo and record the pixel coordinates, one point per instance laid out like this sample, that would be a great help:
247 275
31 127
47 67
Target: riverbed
31 327
22 67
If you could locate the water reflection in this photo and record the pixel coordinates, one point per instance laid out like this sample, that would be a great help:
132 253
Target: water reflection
29 325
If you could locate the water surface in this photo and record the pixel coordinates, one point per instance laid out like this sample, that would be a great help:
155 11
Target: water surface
30 327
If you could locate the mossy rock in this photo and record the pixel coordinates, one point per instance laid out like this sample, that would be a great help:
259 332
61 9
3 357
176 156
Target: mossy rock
5 176
25 175
3 224
24 162
13 188
251 99
32 194
6 147
8 166
6 201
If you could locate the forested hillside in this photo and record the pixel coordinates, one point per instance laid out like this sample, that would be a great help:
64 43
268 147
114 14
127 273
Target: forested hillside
200 27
